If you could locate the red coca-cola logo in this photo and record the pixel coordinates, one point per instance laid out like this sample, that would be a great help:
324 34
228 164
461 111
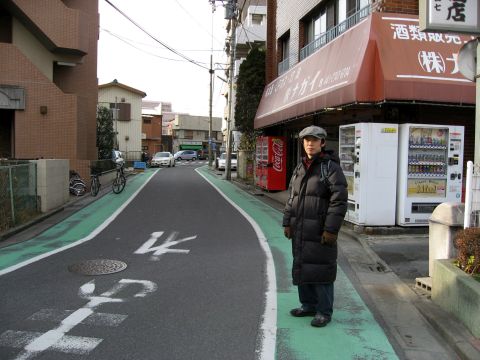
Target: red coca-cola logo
277 148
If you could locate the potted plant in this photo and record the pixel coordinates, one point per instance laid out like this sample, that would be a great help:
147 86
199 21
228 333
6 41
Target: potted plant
467 242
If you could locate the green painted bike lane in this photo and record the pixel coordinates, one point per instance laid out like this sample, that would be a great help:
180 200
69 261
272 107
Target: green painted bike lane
353 332
77 228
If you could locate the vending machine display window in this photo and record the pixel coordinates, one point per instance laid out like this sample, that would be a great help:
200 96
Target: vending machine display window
347 155
430 159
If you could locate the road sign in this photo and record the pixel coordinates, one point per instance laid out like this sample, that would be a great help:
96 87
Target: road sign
458 16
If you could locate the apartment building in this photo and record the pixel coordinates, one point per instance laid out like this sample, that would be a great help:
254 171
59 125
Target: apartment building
126 105
191 132
335 62
48 80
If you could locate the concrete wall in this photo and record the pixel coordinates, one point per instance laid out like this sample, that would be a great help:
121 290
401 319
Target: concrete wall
52 183
245 165
458 293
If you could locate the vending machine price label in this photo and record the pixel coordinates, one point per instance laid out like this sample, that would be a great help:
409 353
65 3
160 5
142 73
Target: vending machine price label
389 131
426 188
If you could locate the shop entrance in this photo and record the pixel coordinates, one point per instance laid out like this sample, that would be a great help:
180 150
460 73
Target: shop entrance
7 134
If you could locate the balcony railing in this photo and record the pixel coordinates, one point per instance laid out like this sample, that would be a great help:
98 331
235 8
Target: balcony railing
283 66
332 33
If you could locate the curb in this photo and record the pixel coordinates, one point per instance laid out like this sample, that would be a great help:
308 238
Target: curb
456 335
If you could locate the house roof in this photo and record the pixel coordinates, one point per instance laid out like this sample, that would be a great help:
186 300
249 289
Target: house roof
122 86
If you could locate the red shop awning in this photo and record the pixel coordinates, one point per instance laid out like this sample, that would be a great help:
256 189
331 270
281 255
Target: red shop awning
383 58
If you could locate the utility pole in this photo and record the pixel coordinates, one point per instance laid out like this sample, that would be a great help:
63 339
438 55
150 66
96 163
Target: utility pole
210 113
115 112
231 14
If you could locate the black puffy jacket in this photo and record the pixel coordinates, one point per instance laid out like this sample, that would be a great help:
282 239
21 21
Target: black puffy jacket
315 205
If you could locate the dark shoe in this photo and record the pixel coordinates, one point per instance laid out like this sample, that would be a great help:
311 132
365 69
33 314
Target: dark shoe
299 312
320 320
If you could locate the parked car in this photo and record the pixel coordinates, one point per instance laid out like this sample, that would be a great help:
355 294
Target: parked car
163 158
185 155
202 154
222 161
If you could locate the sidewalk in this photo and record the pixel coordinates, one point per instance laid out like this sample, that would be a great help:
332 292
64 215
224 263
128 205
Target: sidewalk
408 312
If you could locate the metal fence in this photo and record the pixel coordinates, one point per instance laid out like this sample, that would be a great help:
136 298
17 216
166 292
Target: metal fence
472 196
324 38
18 193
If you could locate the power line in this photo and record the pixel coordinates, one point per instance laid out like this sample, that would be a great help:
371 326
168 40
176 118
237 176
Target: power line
139 43
128 42
155 39
198 23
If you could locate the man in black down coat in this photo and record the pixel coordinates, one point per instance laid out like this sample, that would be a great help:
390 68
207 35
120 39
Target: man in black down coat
313 215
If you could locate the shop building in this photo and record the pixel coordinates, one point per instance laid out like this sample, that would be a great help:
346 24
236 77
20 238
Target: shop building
191 132
48 81
338 62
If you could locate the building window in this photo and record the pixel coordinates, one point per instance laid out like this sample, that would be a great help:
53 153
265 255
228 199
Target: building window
147 121
257 19
122 111
5 27
341 11
188 134
327 21
284 48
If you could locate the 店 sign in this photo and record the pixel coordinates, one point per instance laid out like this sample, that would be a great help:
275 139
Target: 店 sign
460 16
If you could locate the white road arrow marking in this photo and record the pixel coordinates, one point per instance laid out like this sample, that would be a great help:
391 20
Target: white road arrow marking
164 248
56 339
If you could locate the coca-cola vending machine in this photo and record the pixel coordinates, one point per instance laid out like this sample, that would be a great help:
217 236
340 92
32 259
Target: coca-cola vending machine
271 162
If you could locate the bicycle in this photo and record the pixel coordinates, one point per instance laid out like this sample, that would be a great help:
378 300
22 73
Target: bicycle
94 184
120 180
77 186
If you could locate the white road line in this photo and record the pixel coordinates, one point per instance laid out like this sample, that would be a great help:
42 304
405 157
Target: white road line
80 345
96 319
267 336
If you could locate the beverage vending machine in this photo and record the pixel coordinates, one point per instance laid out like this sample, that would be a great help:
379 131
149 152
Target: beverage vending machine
271 159
368 157
430 170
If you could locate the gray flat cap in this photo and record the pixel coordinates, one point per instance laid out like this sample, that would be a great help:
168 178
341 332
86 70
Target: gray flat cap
313 130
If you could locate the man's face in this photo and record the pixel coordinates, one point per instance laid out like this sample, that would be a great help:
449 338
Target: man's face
312 145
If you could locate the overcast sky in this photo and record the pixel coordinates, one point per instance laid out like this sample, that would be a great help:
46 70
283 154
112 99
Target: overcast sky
133 58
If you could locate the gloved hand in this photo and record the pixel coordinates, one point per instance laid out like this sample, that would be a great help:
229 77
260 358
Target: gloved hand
286 232
329 239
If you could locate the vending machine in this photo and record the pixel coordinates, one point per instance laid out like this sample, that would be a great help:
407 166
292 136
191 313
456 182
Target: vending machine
430 170
271 159
368 157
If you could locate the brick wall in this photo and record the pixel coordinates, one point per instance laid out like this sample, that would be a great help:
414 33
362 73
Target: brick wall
397 6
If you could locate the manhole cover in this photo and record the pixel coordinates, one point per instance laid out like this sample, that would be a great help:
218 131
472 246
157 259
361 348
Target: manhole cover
97 267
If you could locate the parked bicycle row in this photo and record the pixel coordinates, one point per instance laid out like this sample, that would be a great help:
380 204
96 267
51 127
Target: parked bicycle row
78 187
